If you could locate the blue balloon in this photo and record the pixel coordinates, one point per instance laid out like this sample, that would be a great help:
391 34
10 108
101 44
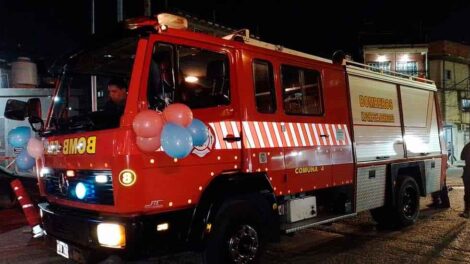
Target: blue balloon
199 132
24 161
19 137
176 141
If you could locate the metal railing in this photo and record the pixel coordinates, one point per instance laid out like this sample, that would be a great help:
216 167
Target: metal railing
390 73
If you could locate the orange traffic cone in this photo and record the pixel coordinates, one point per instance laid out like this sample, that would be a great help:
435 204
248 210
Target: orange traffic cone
31 213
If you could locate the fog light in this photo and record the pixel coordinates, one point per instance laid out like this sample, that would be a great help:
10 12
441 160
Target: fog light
111 235
101 178
162 227
80 190
44 171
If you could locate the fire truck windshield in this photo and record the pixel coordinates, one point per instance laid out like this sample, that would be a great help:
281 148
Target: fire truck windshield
83 101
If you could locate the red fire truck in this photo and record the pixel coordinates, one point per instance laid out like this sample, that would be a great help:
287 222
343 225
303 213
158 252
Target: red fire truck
295 141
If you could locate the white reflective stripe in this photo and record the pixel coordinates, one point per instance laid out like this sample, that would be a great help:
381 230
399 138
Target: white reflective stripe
330 134
309 135
20 197
302 138
217 142
322 133
27 206
316 134
343 141
246 130
294 136
346 132
224 134
286 135
258 133
236 132
278 136
268 134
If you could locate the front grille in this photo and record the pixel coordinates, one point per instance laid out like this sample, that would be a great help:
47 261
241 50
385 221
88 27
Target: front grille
58 184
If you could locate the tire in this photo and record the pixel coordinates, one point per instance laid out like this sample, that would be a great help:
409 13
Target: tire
236 235
407 203
406 209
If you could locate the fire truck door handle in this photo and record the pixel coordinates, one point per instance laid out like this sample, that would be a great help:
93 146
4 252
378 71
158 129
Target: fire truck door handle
382 157
232 138
324 136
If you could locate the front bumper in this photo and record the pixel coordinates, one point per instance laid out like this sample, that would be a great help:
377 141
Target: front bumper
78 228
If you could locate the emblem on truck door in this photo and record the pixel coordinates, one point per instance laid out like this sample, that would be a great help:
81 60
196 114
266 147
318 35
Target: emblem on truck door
203 150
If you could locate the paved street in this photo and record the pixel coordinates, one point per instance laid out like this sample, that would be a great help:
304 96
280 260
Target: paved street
440 236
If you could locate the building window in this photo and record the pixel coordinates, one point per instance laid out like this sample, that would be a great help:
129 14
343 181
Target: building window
301 91
448 75
407 67
465 102
264 86
382 66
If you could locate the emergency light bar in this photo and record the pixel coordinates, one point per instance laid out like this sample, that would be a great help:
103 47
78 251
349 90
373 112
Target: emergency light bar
163 20
172 21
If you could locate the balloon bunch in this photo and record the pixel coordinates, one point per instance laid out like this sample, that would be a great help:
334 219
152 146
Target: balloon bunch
175 130
21 137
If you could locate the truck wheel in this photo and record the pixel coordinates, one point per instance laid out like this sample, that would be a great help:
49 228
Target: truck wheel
236 236
406 209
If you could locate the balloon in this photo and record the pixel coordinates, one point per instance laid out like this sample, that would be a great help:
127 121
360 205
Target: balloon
179 114
148 124
148 144
35 148
25 161
199 132
176 141
18 137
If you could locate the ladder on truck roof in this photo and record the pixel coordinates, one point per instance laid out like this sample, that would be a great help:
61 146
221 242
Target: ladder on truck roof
244 35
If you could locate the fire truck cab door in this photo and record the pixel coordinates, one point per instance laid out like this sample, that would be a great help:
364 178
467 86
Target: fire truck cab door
201 75
318 152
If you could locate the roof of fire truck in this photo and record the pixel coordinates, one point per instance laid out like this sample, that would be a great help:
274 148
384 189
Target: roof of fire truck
162 22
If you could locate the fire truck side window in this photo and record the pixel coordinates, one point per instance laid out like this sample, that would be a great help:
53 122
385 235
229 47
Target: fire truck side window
198 78
301 91
264 86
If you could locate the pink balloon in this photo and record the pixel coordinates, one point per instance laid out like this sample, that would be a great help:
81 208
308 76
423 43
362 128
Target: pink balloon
35 148
179 114
148 124
148 144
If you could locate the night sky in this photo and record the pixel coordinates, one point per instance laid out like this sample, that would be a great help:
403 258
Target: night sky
46 29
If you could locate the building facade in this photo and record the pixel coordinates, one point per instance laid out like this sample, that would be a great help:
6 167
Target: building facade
445 62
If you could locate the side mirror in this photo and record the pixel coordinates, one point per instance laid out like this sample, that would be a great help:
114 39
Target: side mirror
16 110
34 108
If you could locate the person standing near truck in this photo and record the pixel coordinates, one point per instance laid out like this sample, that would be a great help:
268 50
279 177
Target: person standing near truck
465 155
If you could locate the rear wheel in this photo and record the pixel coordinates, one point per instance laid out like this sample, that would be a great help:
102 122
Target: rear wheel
406 209
236 235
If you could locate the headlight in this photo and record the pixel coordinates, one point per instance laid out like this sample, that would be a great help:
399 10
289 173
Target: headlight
80 190
111 235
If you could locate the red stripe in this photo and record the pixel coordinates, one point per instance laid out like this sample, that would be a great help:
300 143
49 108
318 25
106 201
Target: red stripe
304 133
333 134
228 125
273 134
253 133
281 134
312 133
264 134
289 134
320 139
220 136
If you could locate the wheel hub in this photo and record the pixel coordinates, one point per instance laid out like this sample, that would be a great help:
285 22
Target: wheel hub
243 244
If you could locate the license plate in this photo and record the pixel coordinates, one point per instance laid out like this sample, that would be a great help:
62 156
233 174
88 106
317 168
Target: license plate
62 249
